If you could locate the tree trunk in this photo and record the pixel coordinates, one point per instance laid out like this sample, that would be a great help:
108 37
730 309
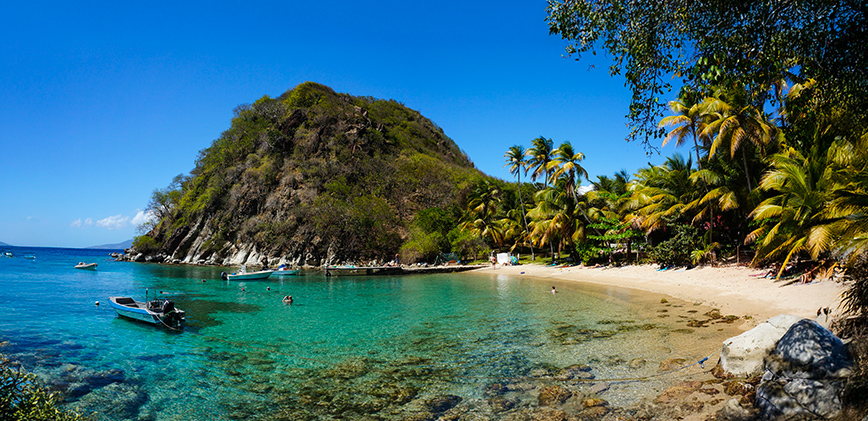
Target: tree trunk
523 216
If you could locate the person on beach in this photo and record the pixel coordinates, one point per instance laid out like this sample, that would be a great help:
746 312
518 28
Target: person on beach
493 262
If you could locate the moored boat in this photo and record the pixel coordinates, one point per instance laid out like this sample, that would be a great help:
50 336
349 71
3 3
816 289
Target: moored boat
244 275
83 265
283 270
157 311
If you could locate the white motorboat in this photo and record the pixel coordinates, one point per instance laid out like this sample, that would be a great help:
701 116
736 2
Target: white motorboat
283 270
83 265
244 275
157 311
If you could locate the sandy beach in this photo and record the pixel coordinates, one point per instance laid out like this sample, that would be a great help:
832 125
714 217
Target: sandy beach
733 289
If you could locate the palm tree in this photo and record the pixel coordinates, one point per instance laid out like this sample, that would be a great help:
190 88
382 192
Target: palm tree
482 207
540 154
688 120
607 205
848 206
555 219
608 195
515 159
737 124
660 194
566 163
793 221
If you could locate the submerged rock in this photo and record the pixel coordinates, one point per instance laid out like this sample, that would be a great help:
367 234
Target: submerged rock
116 401
733 411
440 404
678 392
553 395
575 371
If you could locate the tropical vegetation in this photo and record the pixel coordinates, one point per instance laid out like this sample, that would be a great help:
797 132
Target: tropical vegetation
315 176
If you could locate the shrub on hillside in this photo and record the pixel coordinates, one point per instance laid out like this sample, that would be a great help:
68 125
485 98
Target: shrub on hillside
146 244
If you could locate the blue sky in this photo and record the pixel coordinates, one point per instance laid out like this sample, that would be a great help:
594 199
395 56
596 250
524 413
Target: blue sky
103 102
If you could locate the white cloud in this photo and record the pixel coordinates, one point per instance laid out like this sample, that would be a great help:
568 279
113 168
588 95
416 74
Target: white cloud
78 223
585 189
114 222
143 217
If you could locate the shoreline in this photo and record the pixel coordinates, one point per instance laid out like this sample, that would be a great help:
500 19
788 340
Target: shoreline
697 396
732 289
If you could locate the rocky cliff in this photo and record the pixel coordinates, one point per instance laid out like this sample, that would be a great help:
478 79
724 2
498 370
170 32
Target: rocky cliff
309 178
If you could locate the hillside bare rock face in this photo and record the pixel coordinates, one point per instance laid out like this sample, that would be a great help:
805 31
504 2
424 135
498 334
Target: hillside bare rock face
311 177
743 355
805 375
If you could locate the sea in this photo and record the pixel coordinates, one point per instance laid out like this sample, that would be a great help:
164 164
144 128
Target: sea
380 347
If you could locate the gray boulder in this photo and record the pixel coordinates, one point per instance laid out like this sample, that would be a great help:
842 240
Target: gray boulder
805 375
743 355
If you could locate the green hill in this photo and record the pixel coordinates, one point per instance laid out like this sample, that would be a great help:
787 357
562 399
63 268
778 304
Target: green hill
310 177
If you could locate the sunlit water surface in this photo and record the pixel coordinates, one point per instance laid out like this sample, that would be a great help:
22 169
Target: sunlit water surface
350 347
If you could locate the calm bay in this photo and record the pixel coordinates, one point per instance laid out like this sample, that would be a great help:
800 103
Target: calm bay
349 347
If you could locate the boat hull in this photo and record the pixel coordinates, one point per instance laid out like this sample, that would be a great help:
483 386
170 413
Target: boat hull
288 272
139 311
89 266
250 275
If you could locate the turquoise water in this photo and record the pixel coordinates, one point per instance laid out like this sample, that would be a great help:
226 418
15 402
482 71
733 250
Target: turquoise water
348 347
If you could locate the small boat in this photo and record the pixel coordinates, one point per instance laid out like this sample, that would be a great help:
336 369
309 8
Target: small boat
83 265
8 254
156 311
284 270
244 275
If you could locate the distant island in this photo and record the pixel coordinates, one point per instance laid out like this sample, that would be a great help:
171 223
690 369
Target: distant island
4 244
123 245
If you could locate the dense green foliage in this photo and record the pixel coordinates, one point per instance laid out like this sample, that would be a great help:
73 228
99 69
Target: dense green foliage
23 398
706 43
312 175
773 98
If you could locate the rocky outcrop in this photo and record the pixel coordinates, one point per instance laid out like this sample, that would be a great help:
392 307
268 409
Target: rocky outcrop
743 355
805 375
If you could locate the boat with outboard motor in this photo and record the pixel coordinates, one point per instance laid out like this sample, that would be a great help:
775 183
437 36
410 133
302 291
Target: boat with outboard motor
244 275
157 311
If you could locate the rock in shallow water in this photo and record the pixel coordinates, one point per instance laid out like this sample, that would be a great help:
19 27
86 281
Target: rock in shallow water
116 401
